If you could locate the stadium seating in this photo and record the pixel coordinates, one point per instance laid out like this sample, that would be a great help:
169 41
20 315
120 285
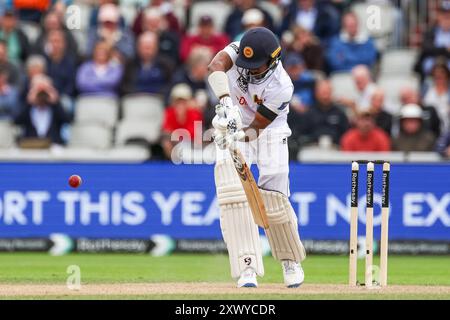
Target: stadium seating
132 154
81 38
143 106
343 85
274 11
218 10
97 109
7 134
129 10
391 84
134 129
142 118
398 61
90 136
105 126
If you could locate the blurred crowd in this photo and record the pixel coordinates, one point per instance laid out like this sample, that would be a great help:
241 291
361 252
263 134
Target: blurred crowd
164 52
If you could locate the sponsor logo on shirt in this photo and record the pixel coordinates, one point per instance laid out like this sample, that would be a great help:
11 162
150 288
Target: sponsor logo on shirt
235 48
283 106
242 84
242 101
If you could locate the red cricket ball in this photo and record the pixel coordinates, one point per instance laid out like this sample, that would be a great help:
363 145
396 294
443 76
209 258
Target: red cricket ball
75 181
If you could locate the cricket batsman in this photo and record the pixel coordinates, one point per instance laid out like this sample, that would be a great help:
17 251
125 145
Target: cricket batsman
254 92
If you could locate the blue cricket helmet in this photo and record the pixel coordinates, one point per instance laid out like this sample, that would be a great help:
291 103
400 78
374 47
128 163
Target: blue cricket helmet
257 47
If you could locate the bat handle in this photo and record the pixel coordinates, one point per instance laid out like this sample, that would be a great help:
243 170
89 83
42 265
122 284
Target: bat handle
232 147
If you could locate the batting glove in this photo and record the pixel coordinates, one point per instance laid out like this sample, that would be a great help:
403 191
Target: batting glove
228 140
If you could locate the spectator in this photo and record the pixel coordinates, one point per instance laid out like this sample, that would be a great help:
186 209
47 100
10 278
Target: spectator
325 120
233 25
9 96
14 77
59 8
366 136
101 75
351 48
308 45
430 116
93 19
16 40
365 86
149 72
42 117
436 42
413 136
166 8
205 37
252 18
195 75
169 41
35 65
438 93
52 22
61 63
443 145
302 79
383 119
109 30
182 116
318 17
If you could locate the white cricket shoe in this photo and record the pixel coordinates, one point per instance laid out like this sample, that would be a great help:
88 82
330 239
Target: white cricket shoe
293 273
247 279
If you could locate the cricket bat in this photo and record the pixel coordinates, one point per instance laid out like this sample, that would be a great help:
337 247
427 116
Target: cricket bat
251 189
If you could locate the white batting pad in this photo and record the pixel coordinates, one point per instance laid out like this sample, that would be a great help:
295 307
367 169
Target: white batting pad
236 221
283 233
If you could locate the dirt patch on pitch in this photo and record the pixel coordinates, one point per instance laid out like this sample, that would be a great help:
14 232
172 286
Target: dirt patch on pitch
23 290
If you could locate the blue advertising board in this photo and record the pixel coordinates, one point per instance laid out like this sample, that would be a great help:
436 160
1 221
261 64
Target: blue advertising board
138 201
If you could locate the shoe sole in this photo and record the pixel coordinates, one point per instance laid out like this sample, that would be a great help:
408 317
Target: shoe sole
295 285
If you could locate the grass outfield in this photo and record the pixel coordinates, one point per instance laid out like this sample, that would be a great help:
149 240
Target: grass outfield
104 275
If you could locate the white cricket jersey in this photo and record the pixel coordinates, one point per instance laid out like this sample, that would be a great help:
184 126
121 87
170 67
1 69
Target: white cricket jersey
275 93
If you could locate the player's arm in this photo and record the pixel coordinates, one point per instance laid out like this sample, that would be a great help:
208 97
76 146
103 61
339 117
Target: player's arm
273 105
218 80
227 115
220 64
263 117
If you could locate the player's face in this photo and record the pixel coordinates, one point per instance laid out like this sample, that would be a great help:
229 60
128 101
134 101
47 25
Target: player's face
258 75
259 71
